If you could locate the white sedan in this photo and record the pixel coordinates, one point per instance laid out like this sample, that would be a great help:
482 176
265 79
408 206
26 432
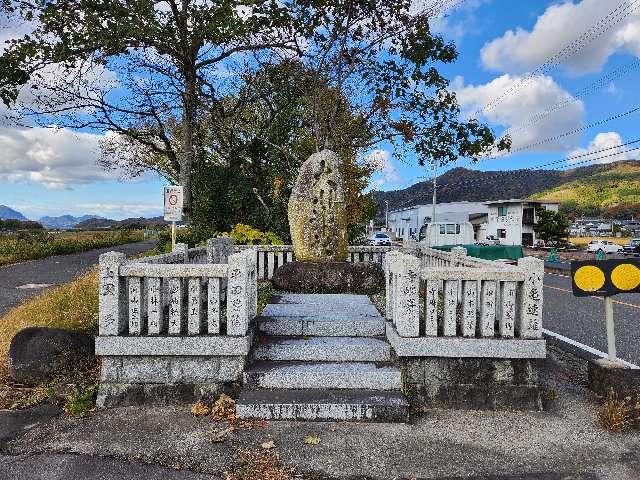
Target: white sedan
604 246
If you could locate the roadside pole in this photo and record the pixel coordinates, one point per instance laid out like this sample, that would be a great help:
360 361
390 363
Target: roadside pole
173 204
611 331
606 278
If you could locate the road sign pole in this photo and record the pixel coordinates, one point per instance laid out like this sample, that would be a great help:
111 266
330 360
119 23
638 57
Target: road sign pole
173 235
611 332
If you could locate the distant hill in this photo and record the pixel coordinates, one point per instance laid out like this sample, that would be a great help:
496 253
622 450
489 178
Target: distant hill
612 192
139 222
7 213
64 221
459 184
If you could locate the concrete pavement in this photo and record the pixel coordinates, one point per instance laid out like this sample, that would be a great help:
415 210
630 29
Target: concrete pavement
564 442
582 318
21 281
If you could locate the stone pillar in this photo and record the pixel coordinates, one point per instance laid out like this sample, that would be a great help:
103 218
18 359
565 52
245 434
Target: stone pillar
458 254
529 324
238 308
111 303
184 249
407 311
219 249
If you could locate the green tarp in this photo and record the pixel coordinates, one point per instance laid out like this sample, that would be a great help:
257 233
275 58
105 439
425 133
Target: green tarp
489 252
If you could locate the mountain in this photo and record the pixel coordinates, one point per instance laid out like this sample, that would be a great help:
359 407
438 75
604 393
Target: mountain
614 192
64 221
460 184
7 213
140 222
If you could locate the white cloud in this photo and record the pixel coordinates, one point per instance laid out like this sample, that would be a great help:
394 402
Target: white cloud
55 157
532 97
520 50
609 141
381 161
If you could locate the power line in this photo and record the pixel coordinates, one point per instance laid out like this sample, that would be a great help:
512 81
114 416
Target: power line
615 16
478 181
603 81
576 130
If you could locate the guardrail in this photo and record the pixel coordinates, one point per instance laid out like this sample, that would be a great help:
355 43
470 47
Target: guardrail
446 304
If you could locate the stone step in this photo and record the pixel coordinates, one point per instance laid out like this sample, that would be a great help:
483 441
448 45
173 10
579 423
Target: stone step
331 349
314 404
301 375
323 325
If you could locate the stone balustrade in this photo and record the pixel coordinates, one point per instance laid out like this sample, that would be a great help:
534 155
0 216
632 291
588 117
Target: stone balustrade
449 305
180 318
270 257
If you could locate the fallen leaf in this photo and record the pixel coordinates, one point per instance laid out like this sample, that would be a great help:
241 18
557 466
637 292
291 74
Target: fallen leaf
262 423
219 436
200 409
268 445
312 440
224 408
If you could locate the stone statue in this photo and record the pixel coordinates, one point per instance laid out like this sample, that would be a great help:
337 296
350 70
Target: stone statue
317 210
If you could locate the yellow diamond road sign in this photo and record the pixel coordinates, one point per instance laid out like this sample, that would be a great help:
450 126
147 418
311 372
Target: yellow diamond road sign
605 277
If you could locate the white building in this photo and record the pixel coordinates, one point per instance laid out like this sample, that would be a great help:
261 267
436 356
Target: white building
408 221
512 221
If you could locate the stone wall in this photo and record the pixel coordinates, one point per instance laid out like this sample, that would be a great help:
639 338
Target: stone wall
132 380
473 383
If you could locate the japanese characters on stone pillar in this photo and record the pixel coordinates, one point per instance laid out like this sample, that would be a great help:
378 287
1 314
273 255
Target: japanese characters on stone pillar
111 291
529 323
407 308
238 309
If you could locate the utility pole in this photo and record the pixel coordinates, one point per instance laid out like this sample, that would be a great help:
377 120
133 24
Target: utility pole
435 181
386 223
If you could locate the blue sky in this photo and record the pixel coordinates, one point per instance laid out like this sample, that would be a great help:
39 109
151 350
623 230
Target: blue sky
499 41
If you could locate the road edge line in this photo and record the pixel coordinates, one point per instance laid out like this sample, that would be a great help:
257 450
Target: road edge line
580 349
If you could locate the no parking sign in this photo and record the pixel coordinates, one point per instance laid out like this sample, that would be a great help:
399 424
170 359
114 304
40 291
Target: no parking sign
173 196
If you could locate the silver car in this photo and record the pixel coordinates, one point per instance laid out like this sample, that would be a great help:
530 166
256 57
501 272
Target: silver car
380 239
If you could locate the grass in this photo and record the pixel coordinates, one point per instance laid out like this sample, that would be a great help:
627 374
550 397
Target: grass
583 241
23 246
618 414
72 306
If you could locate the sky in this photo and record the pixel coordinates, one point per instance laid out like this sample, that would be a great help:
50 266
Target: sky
549 73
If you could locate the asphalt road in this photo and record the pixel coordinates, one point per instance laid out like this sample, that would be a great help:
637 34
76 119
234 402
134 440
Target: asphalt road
21 281
582 318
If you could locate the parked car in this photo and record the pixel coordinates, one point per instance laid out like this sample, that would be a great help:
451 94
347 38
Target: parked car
490 240
380 239
632 248
604 246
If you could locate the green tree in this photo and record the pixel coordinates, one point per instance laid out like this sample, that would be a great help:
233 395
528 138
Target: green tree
133 68
551 227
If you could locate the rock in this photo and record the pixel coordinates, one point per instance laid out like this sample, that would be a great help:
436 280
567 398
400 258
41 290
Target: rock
605 375
334 277
38 354
317 210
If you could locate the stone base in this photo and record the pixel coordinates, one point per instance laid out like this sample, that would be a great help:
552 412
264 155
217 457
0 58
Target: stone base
330 277
127 394
605 375
471 383
166 379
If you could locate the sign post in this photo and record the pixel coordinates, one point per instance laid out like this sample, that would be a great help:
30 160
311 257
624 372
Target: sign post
605 278
173 198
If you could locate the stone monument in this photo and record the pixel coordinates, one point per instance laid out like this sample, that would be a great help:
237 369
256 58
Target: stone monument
317 210
318 224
